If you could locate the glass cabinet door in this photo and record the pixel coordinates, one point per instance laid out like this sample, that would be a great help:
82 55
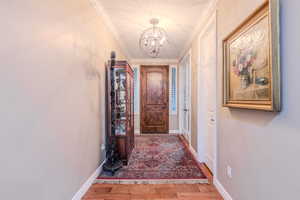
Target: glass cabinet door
128 102
132 104
121 107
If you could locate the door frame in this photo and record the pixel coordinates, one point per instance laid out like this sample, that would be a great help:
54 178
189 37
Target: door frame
201 138
168 96
187 57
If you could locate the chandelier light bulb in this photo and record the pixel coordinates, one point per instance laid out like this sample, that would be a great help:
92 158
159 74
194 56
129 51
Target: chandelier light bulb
162 41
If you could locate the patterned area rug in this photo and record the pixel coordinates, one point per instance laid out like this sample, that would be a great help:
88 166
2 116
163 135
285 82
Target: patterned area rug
159 157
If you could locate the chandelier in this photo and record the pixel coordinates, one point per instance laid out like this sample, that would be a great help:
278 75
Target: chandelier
152 39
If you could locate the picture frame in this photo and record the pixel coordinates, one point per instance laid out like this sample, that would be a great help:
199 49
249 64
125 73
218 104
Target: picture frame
251 61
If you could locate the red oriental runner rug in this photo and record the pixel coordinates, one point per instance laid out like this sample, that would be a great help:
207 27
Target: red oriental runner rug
158 157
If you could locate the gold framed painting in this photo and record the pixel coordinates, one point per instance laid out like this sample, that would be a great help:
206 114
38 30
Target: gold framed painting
251 62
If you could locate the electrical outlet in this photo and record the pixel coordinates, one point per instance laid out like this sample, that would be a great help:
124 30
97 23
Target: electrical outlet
229 171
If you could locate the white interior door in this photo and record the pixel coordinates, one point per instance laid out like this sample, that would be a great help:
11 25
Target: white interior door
185 91
207 95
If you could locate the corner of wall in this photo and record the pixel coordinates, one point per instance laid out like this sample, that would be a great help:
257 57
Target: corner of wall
221 189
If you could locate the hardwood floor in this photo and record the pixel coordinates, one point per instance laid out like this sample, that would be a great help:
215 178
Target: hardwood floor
152 192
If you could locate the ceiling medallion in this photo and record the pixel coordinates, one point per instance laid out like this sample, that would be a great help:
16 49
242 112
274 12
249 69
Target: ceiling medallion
152 39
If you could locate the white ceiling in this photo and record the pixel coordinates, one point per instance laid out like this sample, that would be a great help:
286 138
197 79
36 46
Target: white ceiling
178 17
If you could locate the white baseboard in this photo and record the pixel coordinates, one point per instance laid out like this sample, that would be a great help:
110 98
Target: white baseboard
84 188
222 190
137 132
209 162
194 152
174 131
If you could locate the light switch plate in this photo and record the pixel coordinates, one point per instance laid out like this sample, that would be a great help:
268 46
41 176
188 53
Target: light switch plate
229 171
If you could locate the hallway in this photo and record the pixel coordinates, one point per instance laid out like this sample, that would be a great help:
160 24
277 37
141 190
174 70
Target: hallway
217 79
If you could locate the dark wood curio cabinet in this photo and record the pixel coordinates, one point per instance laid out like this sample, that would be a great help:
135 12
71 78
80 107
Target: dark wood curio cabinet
123 113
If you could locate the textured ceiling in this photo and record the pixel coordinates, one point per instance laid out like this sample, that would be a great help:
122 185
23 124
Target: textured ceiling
178 17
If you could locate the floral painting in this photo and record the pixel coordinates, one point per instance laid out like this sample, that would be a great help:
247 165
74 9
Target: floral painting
251 61
250 69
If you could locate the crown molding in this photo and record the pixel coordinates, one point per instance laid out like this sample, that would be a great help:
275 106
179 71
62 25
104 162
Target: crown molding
203 20
102 13
157 61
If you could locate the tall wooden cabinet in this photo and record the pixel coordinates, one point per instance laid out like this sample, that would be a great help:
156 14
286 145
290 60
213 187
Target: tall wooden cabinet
123 114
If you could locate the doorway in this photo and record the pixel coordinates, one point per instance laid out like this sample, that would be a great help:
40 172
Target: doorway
154 99
185 100
207 95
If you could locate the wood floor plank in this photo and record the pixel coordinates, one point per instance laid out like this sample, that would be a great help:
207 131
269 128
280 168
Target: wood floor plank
120 189
152 192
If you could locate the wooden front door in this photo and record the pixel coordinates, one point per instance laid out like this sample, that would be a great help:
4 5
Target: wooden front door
154 99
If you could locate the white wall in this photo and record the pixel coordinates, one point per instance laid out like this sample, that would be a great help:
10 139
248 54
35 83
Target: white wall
262 148
52 56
